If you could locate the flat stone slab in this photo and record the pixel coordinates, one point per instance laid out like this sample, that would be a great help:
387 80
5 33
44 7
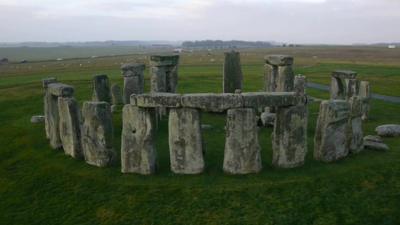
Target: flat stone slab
343 74
268 99
279 60
60 90
37 119
388 130
157 99
212 102
374 142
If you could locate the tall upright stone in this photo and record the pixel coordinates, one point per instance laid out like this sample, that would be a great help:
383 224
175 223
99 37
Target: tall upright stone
365 94
352 88
164 73
46 100
300 84
101 89
232 72
55 91
138 153
355 137
97 134
185 141
70 126
340 88
133 80
289 143
116 95
332 131
279 76
242 149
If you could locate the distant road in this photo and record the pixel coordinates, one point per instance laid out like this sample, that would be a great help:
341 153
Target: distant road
385 98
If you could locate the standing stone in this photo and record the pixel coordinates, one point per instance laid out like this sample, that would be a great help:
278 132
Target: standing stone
54 91
300 84
330 141
352 88
242 150
365 95
97 134
70 126
101 89
339 87
164 73
133 80
355 139
138 153
279 76
232 70
47 99
185 141
116 95
271 77
289 142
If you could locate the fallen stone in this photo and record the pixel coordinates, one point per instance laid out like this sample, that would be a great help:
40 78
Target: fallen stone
212 102
97 134
388 130
242 150
330 141
375 146
138 153
373 138
185 141
37 119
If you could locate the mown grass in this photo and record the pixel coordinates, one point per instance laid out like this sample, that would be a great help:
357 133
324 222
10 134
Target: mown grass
39 185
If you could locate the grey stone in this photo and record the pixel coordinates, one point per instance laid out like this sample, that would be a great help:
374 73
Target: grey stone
285 78
242 150
343 84
60 90
133 80
260 100
185 141
116 95
157 99
271 77
97 134
70 126
212 102
330 141
267 119
300 83
46 99
355 138
37 119
279 60
344 74
164 73
352 88
375 146
101 89
53 121
138 153
388 130
232 72
365 94
289 142
373 138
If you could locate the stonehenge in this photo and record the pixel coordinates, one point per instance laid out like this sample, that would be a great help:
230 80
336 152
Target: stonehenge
133 74
343 84
355 138
101 89
164 73
279 76
232 72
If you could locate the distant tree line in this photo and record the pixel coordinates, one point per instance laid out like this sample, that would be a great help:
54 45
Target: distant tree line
226 44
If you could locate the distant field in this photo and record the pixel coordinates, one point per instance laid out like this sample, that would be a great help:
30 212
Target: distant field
39 185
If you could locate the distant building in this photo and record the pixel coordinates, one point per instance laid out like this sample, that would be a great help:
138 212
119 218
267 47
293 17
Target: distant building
391 46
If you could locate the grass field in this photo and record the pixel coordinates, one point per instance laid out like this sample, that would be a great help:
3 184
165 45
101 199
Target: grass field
39 185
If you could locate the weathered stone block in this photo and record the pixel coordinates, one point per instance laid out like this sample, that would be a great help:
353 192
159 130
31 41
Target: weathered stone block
242 150
344 74
271 77
289 142
279 60
185 141
352 88
232 72
270 99
365 94
70 126
101 88
300 84
97 134
116 95
388 130
330 141
46 99
164 73
285 78
133 79
60 90
355 138
212 102
157 99
138 153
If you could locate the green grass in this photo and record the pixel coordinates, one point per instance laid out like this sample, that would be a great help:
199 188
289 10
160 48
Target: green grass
39 185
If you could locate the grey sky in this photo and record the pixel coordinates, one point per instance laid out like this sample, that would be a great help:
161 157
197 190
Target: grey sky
299 21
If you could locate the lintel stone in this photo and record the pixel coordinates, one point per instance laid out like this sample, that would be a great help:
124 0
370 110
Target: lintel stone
212 102
264 99
343 74
60 90
164 60
279 60
157 99
132 67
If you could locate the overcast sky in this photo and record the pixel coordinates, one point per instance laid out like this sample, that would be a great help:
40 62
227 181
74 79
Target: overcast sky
294 21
